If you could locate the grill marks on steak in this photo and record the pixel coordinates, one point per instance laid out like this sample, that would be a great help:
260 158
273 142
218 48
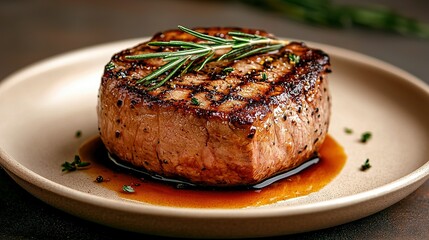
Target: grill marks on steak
244 128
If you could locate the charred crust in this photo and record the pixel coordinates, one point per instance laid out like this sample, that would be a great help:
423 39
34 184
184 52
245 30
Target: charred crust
295 85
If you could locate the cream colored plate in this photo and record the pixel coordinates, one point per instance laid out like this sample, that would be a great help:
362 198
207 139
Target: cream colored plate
42 106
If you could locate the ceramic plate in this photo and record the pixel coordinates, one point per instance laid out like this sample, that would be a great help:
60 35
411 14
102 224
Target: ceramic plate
42 106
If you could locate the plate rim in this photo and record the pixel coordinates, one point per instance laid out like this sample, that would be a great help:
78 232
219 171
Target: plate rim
10 164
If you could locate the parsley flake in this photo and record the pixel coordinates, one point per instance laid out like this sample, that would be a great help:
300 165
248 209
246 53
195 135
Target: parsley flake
128 189
194 101
366 165
75 165
365 137
78 134
293 59
110 66
348 130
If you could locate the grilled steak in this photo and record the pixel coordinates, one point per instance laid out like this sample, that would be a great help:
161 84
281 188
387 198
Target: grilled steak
215 127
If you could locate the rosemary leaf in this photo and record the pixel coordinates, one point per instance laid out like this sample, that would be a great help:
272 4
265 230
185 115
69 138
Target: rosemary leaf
173 43
204 36
234 52
148 55
242 34
188 66
170 58
240 39
260 50
240 45
161 70
179 63
208 58
190 52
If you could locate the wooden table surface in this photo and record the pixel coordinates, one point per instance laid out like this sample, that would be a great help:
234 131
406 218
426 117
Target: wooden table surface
34 30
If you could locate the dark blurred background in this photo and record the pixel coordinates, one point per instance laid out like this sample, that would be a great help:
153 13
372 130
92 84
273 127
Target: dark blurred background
34 30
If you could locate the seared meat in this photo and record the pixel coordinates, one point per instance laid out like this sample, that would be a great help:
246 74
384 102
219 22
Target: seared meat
217 127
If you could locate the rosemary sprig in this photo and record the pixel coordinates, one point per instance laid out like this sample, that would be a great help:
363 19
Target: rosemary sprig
330 13
194 56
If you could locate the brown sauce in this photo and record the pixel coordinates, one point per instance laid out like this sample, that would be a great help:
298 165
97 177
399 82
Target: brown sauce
312 179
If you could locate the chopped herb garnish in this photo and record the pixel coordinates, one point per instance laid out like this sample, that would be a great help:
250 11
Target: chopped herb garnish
348 130
366 165
75 165
264 76
195 102
77 159
293 59
228 69
68 167
110 66
83 164
128 189
78 134
365 137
